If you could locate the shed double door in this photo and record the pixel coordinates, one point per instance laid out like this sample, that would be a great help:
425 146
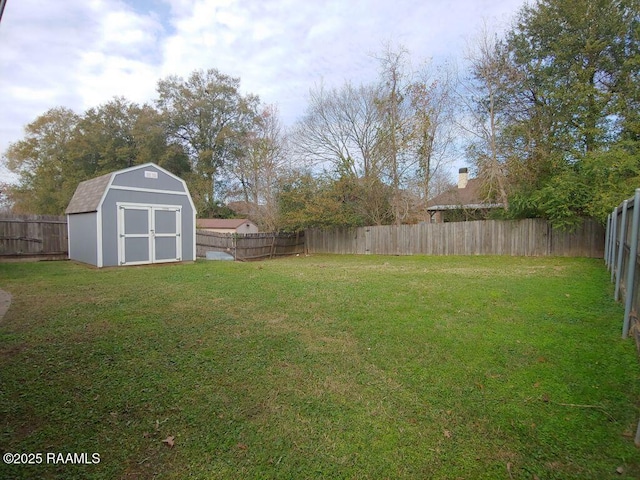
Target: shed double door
149 234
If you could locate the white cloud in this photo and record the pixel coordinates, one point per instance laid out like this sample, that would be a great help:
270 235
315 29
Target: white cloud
122 60
76 54
100 77
39 95
81 53
129 33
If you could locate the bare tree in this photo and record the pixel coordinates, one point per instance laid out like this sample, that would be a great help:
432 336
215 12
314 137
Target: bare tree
485 104
395 85
5 197
340 129
341 132
260 166
433 127
385 138
418 140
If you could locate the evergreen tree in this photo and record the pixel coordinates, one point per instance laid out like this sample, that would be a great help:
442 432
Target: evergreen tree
575 99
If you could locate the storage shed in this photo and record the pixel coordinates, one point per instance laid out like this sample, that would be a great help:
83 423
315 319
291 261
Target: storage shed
139 215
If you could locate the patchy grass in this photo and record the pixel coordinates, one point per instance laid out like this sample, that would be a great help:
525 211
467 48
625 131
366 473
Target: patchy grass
320 367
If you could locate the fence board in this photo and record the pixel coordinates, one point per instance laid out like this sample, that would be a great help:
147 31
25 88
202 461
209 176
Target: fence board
529 237
33 235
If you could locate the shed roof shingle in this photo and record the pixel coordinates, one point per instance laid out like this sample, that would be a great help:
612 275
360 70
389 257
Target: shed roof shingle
88 194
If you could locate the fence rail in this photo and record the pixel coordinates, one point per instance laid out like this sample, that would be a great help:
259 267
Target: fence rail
33 235
250 246
621 257
529 237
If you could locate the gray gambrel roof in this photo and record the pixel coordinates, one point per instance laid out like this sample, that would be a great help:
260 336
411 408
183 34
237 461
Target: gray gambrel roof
88 195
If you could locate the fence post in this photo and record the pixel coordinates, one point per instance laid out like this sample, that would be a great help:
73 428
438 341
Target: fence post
607 241
272 250
631 267
618 266
614 236
612 240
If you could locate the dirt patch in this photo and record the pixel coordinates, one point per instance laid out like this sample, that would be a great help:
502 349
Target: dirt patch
5 301
11 351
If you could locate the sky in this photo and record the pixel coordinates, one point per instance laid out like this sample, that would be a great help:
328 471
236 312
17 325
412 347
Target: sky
81 53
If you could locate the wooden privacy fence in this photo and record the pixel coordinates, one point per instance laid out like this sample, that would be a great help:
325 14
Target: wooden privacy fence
529 237
249 246
27 235
33 235
621 257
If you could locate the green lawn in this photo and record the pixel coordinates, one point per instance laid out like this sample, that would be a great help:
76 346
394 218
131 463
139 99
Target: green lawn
320 367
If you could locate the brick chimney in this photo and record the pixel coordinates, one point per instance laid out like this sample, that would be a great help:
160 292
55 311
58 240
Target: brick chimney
463 177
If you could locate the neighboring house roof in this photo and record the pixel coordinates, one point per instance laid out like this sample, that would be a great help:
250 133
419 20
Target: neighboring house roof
226 223
88 195
468 197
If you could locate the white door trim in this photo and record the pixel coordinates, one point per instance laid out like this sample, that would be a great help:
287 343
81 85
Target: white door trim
151 234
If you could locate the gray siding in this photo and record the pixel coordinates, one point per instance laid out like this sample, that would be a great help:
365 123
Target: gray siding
83 244
165 248
137 250
110 220
137 179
